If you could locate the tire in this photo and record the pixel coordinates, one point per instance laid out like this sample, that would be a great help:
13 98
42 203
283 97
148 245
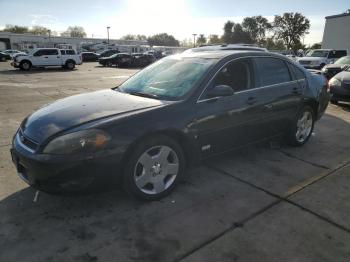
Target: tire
302 127
25 65
154 168
70 65
109 64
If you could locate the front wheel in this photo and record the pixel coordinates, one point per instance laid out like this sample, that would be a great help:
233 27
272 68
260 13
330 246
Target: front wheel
302 127
25 66
154 168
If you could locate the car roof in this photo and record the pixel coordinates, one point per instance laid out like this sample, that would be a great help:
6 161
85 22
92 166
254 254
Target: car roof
227 47
218 54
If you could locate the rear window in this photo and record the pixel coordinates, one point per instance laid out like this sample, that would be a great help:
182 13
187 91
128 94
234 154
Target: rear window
271 71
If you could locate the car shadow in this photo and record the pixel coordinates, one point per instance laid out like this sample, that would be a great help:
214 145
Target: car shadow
344 106
16 71
77 226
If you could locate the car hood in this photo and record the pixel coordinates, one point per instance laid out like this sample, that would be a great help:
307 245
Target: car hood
79 109
310 58
343 76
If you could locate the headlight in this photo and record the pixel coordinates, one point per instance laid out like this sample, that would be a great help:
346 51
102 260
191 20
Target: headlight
334 82
85 141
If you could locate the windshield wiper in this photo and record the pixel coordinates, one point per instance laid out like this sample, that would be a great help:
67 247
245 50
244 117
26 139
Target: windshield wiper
135 93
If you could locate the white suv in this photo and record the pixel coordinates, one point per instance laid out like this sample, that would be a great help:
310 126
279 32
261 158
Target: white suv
318 58
44 57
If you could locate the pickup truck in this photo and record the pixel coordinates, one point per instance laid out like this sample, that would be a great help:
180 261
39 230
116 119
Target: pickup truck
45 57
318 58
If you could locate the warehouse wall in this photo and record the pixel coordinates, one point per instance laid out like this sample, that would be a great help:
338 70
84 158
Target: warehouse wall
337 33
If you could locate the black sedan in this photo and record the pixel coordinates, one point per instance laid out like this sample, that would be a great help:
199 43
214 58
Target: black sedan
118 60
142 60
340 87
4 57
341 64
167 117
90 56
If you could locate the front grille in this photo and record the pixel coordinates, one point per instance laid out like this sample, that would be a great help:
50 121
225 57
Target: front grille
26 141
305 62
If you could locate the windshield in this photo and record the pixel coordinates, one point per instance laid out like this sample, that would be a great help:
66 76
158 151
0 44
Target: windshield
317 53
169 79
343 61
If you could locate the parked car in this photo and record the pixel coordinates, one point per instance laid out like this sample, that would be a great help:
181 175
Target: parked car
118 60
341 64
318 58
11 52
46 57
4 57
108 53
170 115
142 60
340 87
90 56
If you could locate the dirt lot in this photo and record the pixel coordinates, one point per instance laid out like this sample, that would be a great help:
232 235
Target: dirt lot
264 203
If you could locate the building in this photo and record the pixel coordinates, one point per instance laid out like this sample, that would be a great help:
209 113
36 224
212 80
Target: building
29 41
24 42
337 32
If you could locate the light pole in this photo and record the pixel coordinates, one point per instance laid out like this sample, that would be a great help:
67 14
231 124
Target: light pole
194 39
49 31
108 27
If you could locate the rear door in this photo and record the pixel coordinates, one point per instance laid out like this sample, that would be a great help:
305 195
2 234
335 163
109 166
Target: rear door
279 90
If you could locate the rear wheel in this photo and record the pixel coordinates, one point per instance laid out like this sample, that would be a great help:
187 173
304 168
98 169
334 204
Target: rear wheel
70 65
25 65
154 168
302 127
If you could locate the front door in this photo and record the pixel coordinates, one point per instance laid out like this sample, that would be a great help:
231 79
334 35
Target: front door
226 122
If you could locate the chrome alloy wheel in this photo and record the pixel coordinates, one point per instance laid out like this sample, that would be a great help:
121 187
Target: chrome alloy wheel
156 169
304 126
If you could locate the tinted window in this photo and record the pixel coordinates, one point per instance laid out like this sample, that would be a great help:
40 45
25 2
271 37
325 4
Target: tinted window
340 53
237 75
296 72
63 52
271 71
50 52
70 52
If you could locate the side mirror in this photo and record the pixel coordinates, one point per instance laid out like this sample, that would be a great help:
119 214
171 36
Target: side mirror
219 91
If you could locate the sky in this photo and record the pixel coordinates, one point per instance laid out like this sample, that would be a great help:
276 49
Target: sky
180 18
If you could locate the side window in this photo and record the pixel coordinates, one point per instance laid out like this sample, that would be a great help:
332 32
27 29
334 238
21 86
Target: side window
38 53
70 52
63 52
296 72
271 71
237 75
51 52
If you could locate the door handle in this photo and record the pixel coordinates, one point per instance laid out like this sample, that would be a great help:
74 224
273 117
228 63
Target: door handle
46 57
251 100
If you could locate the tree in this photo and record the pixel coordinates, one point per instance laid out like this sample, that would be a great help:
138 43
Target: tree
290 27
201 40
163 40
256 27
214 39
316 46
273 44
39 30
16 29
135 37
240 36
227 36
74 31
